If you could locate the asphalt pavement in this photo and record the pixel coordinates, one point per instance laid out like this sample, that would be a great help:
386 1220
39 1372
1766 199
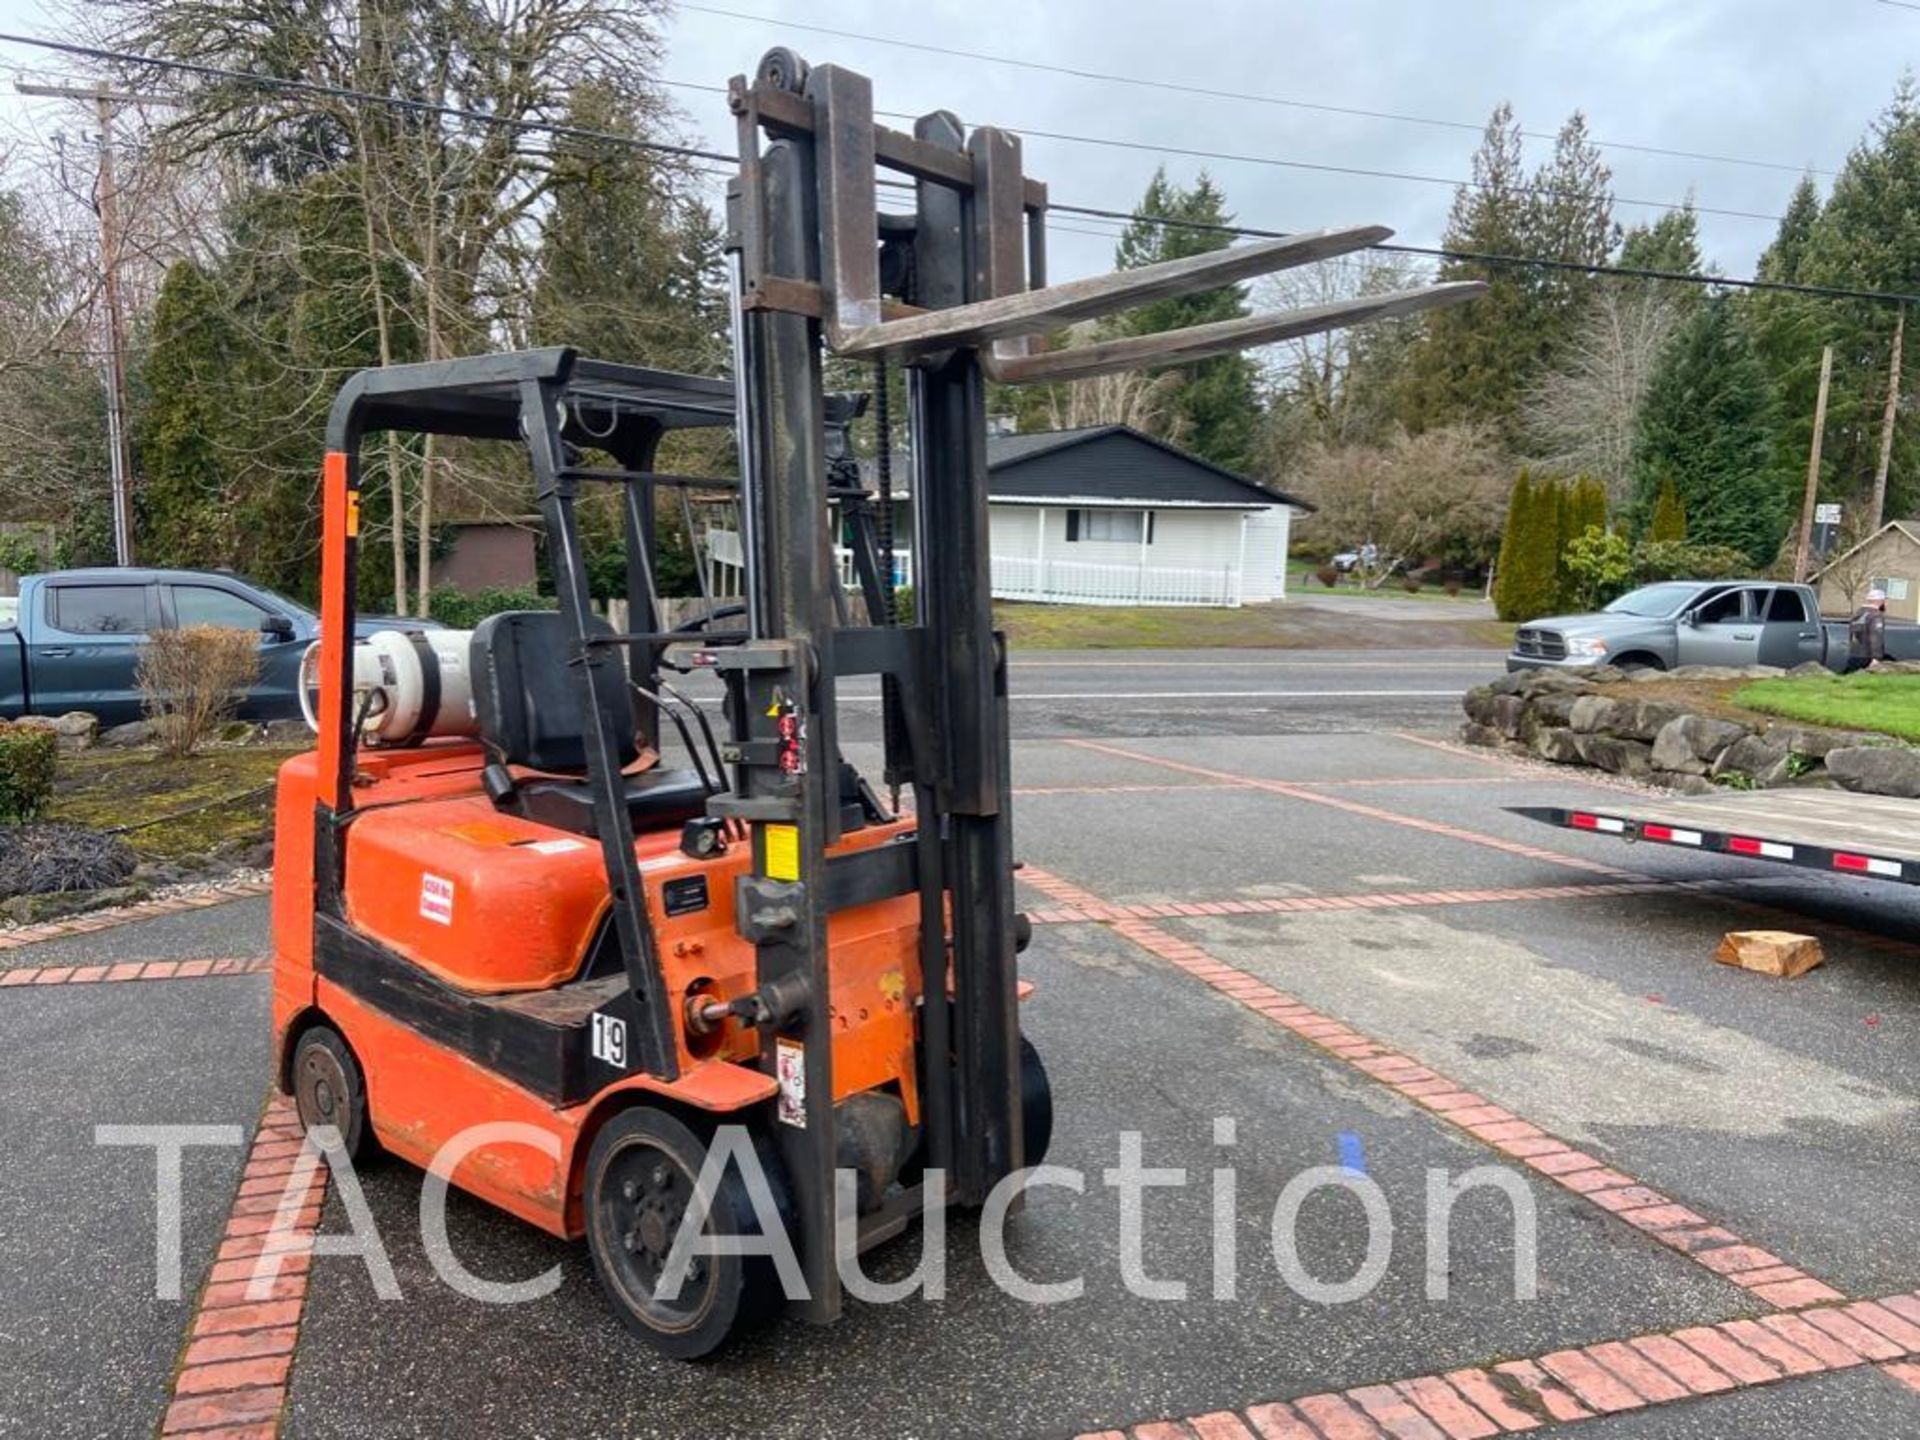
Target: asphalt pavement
1196 829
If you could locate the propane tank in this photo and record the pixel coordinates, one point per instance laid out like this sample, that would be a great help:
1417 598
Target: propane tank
411 685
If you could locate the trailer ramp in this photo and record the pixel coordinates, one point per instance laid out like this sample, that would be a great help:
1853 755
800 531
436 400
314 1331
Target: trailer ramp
1877 836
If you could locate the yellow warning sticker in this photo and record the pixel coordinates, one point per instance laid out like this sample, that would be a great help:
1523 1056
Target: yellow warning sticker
353 514
783 851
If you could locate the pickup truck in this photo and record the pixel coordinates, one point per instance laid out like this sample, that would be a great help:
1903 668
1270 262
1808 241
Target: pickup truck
77 635
1700 622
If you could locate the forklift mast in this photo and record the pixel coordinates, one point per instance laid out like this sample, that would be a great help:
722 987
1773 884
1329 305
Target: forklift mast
951 286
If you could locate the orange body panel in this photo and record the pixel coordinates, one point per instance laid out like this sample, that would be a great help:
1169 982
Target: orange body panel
490 903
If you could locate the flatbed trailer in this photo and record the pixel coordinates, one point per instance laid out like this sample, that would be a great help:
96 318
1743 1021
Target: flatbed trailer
1874 836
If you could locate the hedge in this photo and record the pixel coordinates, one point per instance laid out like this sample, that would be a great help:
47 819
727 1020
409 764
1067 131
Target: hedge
26 772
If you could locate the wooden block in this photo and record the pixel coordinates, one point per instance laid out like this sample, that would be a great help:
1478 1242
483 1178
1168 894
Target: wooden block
1770 952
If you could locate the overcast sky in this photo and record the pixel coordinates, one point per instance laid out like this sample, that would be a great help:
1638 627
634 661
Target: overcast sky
1793 83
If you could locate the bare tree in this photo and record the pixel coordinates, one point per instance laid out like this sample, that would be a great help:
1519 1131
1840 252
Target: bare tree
1436 496
1581 414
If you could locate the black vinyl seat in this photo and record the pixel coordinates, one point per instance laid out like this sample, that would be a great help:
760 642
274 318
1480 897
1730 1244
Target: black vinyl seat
528 701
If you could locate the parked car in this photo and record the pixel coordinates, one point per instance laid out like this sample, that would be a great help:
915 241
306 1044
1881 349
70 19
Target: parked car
77 636
1699 622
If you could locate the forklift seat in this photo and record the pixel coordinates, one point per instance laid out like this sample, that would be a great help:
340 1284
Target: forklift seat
529 704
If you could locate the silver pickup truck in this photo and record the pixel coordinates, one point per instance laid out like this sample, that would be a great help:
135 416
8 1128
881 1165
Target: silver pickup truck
1700 622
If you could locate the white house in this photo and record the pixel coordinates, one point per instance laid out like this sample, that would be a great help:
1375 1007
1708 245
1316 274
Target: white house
1110 516
1106 516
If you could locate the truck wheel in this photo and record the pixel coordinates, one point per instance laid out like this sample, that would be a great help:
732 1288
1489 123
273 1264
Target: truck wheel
328 1089
639 1186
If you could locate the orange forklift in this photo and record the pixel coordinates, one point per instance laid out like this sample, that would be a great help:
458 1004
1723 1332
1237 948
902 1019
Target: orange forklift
496 897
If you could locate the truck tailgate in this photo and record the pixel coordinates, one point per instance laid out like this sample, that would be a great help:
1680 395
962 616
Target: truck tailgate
1870 835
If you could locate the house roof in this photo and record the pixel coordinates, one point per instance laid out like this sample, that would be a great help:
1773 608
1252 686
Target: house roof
1908 528
1112 463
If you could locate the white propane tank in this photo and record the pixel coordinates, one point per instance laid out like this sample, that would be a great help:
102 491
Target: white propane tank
403 671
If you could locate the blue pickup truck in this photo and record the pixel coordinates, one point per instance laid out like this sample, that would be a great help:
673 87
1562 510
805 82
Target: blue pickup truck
76 638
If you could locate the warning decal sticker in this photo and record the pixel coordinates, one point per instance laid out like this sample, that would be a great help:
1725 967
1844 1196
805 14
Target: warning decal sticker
790 1068
783 851
436 899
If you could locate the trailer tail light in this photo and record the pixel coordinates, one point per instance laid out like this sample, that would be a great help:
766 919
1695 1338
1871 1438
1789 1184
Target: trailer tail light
1667 835
1767 849
1866 864
1580 820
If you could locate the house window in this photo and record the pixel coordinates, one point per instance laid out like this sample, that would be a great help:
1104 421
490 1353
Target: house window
1124 526
1893 586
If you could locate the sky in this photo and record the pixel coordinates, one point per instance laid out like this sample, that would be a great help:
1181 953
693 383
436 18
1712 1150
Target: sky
1785 85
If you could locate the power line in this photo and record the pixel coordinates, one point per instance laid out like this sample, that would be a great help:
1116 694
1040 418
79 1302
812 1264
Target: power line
1623 272
366 97
1184 89
1095 212
1320 167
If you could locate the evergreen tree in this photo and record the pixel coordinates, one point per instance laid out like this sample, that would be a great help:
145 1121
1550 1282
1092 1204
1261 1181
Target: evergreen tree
1526 581
1569 219
188 491
1473 362
1669 523
1216 405
1704 428
1671 243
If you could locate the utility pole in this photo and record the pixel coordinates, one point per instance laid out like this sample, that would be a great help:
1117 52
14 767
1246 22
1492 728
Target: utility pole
107 207
1805 545
1879 504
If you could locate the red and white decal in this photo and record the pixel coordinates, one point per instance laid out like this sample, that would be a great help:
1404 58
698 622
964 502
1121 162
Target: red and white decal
1667 835
436 899
1766 849
1583 821
1866 864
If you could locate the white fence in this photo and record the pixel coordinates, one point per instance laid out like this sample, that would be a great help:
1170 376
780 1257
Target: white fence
1073 582
1018 577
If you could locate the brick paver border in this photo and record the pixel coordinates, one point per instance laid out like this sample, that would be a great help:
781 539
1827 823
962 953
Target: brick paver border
235 1367
1579 1384
127 914
23 975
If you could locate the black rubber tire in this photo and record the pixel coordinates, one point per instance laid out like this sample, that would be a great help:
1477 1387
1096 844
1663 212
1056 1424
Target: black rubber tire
723 1294
1036 1104
330 1089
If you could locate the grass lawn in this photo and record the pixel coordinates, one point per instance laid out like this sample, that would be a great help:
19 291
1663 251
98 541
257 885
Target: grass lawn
1889 704
136 788
1286 626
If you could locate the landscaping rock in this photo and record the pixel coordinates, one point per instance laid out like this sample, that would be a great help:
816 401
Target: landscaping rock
125 737
72 731
1592 714
1691 743
1610 753
1510 716
1816 743
1877 769
1809 667
1554 710
1753 758
1474 733
1556 744
236 732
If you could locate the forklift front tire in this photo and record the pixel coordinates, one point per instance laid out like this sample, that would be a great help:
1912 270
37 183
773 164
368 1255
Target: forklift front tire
639 1183
328 1089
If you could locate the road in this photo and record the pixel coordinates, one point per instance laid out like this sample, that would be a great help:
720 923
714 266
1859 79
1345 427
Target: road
1113 693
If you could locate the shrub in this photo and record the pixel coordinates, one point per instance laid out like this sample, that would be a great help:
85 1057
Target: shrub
192 679
1599 567
52 858
1410 584
26 772
1452 587
903 605
1674 560
463 610
1327 576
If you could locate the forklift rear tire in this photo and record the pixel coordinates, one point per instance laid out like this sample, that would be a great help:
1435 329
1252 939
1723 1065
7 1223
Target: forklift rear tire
1036 1104
639 1181
328 1089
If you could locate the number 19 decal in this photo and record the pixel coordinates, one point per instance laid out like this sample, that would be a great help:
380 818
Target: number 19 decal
610 1040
